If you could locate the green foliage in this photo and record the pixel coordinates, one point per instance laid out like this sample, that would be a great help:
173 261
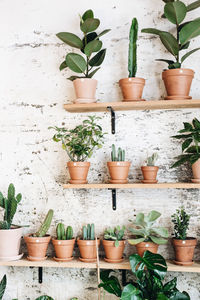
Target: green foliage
3 286
88 232
176 12
151 160
45 225
181 223
144 229
132 55
190 135
90 45
120 154
114 234
110 283
80 142
10 206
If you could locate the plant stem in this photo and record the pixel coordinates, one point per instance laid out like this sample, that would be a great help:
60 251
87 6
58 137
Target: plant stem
177 59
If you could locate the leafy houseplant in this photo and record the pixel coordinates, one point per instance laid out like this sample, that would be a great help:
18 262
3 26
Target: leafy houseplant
190 135
150 170
64 243
118 167
178 80
80 143
146 234
114 244
91 47
184 246
132 87
10 235
37 243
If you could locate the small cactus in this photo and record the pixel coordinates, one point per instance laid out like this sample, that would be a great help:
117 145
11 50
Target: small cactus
69 233
45 225
84 233
88 232
60 230
151 160
92 233
120 154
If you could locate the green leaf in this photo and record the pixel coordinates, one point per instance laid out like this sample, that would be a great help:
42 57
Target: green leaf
93 46
193 5
196 123
162 231
175 12
186 144
153 215
194 158
130 292
188 54
181 161
70 39
169 42
90 75
98 58
44 298
3 286
193 149
103 32
136 241
110 283
157 240
116 243
90 25
190 31
169 62
137 232
88 15
76 62
63 65
19 197
72 78
175 66
188 126
166 1
182 136
151 31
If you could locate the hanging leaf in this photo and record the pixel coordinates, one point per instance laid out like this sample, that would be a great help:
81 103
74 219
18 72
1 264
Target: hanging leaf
196 123
76 62
182 160
151 31
193 5
90 25
188 54
166 60
98 58
190 31
186 144
184 47
90 75
175 12
169 42
72 78
88 15
63 65
103 32
70 39
131 292
93 46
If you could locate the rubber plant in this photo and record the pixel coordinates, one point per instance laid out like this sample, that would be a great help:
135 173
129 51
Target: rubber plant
88 62
132 87
178 80
150 170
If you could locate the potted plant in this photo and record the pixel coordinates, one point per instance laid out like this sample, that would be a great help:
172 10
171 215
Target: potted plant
64 243
87 245
118 167
177 80
10 234
80 143
190 135
183 245
150 170
146 235
37 243
132 87
91 47
114 244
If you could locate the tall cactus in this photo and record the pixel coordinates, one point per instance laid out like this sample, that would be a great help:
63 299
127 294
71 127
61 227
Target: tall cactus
60 230
120 154
69 233
84 233
88 232
132 56
45 225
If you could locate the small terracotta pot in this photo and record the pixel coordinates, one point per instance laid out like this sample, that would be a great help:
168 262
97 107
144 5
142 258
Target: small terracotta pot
118 171
149 174
63 248
184 251
178 83
37 247
78 171
144 246
88 250
85 90
10 240
196 169
113 254
132 88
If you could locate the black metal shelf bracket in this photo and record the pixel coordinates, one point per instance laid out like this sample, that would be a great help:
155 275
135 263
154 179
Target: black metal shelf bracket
40 274
124 282
112 119
114 199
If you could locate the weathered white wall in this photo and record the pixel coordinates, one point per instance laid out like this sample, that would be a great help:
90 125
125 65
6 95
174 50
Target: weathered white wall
33 91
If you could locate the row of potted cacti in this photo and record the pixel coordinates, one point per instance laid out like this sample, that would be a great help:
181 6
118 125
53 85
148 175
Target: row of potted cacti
177 79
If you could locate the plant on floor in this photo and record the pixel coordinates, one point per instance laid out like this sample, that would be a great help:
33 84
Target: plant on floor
119 156
132 53
181 223
176 12
145 231
114 234
151 160
45 225
88 45
80 142
63 234
88 232
9 204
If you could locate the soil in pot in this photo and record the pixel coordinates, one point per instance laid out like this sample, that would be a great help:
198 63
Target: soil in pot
196 171
113 254
118 171
149 174
144 246
78 172
132 88
88 251
63 249
85 90
184 251
10 240
37 247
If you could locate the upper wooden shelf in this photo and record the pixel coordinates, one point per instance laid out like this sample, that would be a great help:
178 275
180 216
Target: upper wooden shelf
170 185
137 105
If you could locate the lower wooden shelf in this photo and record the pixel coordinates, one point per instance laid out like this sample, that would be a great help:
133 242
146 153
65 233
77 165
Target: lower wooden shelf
164 185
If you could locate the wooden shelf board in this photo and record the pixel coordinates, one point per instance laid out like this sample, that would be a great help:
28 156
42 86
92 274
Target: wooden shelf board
170 185
137 105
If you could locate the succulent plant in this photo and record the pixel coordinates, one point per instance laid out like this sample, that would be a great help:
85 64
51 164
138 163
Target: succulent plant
132 55
88 232
120 156
45 225
115 234
151 160
181 222
63 234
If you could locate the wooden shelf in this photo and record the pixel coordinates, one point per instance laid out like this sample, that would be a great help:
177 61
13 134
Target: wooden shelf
170 185
137 105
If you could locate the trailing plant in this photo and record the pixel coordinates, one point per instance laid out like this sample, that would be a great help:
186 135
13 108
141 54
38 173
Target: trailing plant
132 54
63 234
181 222
9 204
145 231
151 160
88 45
176 12
80 142
88 232
115 234
190 135
119 156
45 225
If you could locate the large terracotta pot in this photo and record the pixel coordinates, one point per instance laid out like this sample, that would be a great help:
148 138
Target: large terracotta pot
184 251
85 90
144 246
37 247
64 249
88 250
132 88
10 240
149 174
196 171
78 171
178 83
118 171
113 254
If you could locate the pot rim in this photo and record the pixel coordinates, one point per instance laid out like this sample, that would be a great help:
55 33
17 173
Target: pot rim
142 244
79 240
116 163
150 167
187 239
178 72
33 238
16 228
63 242
84 78
132 79
78 163
110 241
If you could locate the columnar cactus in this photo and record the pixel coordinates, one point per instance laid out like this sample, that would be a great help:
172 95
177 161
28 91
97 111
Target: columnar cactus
132 55
45 225
63 234
88 232
120 154
69 233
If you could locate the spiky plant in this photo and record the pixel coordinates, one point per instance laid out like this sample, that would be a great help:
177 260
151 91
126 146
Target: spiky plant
132 54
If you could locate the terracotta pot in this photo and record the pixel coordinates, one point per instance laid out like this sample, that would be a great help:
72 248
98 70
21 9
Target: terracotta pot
178 83
63 248
144 246
118 171
88 250
196 169
85 90
149 174
37 247
78 171
132 88
113 254
184 251
10 240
